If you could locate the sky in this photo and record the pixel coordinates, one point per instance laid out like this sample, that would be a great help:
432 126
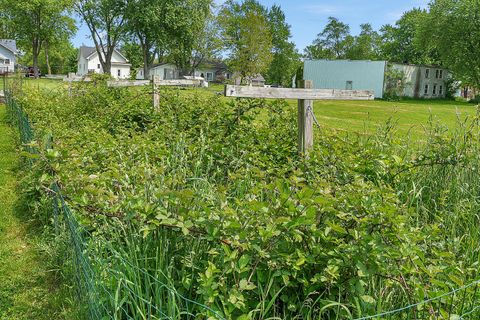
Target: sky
308 17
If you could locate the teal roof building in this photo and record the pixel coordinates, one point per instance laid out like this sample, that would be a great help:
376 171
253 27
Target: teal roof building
346 74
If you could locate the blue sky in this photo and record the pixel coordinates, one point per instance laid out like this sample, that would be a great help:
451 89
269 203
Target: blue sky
308 17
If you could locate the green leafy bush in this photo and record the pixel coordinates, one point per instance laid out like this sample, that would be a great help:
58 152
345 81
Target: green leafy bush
211 196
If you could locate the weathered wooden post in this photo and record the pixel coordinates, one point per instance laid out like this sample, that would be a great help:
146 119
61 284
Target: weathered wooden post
156 93
305 120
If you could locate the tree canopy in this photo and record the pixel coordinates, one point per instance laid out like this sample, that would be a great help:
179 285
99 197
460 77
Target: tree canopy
37 24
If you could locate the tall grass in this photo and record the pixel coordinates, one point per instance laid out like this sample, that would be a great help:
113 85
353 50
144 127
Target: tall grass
202 211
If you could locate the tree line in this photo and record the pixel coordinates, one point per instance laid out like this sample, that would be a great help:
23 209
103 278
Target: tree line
252 38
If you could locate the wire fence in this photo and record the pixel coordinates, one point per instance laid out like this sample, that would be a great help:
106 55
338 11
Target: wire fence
110 284
102 274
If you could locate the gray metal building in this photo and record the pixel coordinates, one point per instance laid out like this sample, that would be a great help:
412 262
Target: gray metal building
421 81
346 74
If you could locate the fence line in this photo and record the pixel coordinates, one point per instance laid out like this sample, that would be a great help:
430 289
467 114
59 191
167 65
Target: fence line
101 287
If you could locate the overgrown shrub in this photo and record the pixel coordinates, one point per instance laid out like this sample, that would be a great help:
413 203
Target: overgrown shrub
211 197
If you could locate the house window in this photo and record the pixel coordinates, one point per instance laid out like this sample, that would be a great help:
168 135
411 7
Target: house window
349 85
98 66
426 90
7 61
119 72
440 90
427 73
441 74
209 76
2 61
434 89
228 76
437 74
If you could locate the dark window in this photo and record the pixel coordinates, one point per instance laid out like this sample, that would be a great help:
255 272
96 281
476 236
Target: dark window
228 75
437 73
349 85
119 72
98 66
441 74
427 73
434 89
426 89
440 90
7 61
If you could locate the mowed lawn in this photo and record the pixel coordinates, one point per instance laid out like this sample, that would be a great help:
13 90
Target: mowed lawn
410 116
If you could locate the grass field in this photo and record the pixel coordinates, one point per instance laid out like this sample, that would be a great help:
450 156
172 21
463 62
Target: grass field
28 289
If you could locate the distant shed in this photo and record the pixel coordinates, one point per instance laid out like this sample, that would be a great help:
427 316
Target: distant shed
346 74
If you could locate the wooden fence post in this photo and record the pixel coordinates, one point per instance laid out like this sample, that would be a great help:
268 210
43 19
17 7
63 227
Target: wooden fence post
156 93
305 120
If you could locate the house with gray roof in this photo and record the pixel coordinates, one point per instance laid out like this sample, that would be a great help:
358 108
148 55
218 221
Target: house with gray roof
8 52
89 62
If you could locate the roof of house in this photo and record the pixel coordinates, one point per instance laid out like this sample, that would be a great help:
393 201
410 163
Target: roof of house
214 65
10 45
87 52
433 66
156 65
258 78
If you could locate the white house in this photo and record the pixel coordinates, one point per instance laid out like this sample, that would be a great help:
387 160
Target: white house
423 81
8 50
89 62
165 71
210 71
213 71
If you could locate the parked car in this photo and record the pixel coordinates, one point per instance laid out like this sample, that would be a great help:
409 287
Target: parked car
30 72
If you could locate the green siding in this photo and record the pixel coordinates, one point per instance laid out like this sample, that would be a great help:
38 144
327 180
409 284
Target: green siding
334 74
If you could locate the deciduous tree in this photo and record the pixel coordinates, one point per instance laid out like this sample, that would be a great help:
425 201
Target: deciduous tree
366 46
247 37
332 43
452 27
399 43
285 56
106 21
37 23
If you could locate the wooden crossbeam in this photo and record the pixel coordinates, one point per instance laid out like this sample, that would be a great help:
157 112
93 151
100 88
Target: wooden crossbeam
158 82
127 83
178 82
303 94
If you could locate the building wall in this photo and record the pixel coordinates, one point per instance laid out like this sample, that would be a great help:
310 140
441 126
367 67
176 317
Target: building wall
93 65
421 83
164 72
82 66
346 74
10 66
120 71
206 73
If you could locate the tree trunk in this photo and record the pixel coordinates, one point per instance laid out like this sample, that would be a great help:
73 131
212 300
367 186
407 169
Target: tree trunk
107 69
49 69
146 62
35 54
